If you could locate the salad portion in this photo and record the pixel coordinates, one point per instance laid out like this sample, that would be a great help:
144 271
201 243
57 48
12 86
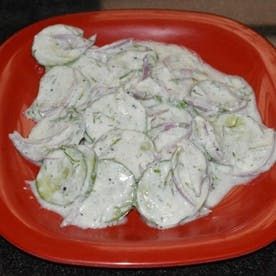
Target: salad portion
137 124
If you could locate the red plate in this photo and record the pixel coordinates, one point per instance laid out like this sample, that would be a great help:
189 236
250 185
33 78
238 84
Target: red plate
243 222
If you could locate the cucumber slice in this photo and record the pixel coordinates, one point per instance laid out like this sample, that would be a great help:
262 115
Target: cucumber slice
54 90
91 161
80 95
94 70
190 173
175 57
91 164
167 137
54 125
59 44
113 48
241 87
205 137
212 97
166 114
117 110
175 90
49 133
148 89
170 125
133 149
158 200
124 64
111 199
59 88
247 145
62 176
176 71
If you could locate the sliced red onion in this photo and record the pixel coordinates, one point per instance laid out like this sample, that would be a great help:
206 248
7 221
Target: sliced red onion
206 179
182 191
141 95
167 61
187 73
51 111
146 68
71 41
156 113
100 91
48 111
201 105
204 135
24 147
93 38
67 100
168 126
124 43
172 147
205 102
36 149
242 104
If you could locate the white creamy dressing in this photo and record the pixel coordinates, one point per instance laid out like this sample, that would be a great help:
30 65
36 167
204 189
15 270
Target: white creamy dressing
138 124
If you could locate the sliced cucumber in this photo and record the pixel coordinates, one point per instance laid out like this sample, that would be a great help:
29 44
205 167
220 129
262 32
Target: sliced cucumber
111 49
247 145
175 57
91 161
49 133
62 176
205 137
111 199
117 110
54 125
158 200
165 113
211 97
189 173
59 88
80 95
240 86
170 125
59 44
133 149
123 64
164 78
54 90
166 138
172 72
94 70
148 89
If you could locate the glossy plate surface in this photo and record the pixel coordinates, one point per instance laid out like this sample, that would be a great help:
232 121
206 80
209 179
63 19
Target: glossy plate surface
243 222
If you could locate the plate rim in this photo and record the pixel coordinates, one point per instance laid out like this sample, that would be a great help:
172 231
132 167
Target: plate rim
268 236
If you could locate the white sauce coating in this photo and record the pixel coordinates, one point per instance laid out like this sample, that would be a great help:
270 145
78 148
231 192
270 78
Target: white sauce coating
131 148
109 201
158 199
59 44
116 110
138 124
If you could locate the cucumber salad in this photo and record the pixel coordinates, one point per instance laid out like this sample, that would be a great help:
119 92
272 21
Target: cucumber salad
137 124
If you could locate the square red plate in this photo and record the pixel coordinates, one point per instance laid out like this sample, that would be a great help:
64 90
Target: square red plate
244 221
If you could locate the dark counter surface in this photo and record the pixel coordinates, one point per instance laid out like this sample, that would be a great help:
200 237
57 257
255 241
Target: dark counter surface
15 15
15 262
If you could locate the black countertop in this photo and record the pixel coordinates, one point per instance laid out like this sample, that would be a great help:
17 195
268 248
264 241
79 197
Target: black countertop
15 262
15 15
